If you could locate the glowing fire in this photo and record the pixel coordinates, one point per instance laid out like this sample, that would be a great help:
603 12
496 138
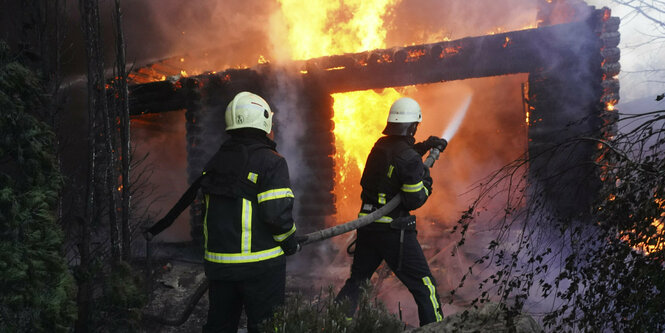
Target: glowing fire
656 242
326 28
507 42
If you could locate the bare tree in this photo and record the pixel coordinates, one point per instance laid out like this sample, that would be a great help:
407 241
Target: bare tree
601 270
123 111
651 16
96 104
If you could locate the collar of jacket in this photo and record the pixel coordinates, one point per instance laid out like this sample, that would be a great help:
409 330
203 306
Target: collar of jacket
249 138
406 138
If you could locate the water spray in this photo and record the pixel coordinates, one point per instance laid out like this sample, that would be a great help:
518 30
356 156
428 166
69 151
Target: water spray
454 125
362 221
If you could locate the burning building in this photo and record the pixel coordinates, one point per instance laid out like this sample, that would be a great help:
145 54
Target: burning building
550 77
568 62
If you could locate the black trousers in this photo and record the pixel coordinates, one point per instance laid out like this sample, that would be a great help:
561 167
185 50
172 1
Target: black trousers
374 246
259 296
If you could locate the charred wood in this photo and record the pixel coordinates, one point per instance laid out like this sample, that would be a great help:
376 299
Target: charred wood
522 51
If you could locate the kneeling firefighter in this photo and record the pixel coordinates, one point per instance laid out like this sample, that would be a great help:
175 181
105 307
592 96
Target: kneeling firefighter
248 225
394 166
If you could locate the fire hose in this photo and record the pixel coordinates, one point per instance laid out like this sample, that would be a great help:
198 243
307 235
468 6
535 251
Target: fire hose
323 234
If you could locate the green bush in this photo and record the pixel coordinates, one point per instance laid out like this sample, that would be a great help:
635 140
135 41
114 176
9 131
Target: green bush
323 314
37 288
123 297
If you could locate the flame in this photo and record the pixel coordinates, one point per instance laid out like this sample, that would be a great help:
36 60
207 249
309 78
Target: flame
262 60
322 28
656 242
313 33
358 134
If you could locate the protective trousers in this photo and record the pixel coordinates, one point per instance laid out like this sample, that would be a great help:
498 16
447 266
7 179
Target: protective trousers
259 296
373 246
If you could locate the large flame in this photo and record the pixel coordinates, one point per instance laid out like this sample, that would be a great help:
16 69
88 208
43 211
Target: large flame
327 28
322 28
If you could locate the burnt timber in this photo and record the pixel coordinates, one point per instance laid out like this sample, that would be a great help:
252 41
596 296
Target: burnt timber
524 51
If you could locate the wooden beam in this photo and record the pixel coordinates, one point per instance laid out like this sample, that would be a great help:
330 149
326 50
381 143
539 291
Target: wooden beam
513 52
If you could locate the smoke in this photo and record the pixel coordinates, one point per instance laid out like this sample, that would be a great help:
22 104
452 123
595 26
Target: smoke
208 35
160 140
289 123
428 21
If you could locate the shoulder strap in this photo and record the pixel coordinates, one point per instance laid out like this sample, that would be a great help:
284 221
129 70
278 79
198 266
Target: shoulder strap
227 172
225 169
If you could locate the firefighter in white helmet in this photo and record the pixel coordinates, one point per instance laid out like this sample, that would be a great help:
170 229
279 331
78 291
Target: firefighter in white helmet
248 225
394 166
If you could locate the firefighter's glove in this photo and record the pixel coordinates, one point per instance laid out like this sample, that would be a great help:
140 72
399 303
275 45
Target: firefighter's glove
436 142
290 245
431 142
147 234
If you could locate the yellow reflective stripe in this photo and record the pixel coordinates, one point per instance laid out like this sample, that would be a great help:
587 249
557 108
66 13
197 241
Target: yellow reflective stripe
275 194
246 233
382 219
236 258
426 191
382 198
203 173
205 222
283 236
253 177
412 187
432 297
390 171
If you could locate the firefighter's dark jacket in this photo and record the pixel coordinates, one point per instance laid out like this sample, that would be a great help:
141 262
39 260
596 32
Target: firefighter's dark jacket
394 165
247 208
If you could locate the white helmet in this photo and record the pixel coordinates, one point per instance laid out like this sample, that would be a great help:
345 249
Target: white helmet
403 117
248 110
405 110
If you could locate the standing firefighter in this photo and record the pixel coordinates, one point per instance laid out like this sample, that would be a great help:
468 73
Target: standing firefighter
395 166
247 226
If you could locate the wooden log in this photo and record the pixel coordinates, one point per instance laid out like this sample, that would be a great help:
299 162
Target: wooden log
513 52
